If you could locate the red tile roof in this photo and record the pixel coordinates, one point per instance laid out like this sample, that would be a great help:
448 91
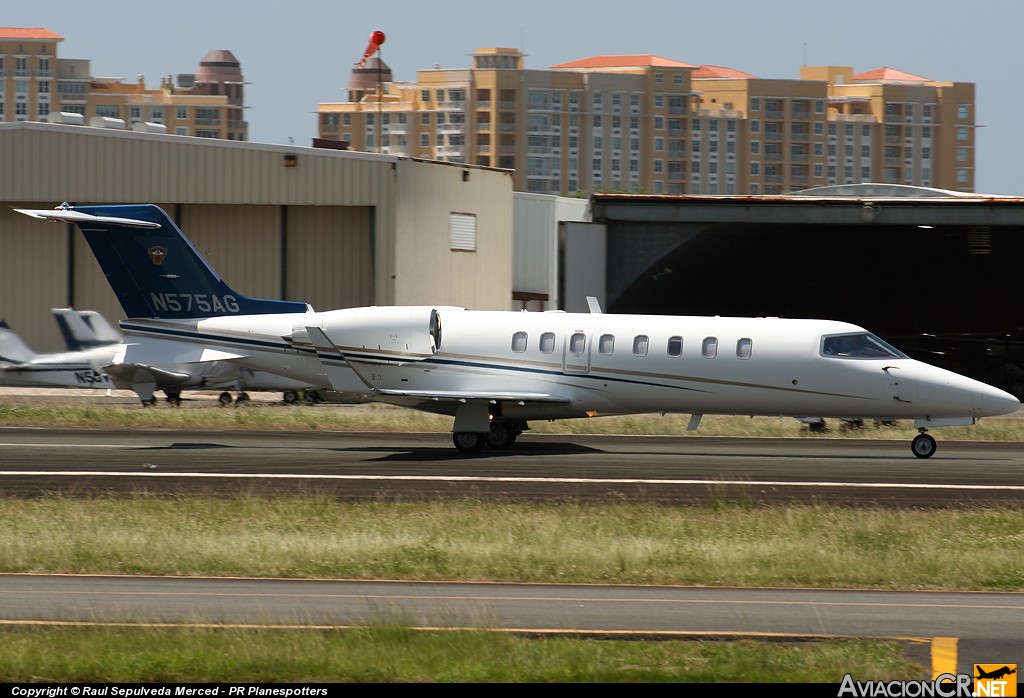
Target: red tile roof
629 61
28 33
885 73
717 71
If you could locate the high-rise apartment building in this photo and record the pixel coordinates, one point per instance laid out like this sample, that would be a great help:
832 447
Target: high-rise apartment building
647 124
37 85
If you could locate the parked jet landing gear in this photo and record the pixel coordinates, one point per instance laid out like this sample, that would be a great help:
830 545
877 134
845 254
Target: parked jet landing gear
225 398
923 445
173 398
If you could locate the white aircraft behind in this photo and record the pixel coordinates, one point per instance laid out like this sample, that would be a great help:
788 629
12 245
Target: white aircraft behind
494 371
85 329
96 365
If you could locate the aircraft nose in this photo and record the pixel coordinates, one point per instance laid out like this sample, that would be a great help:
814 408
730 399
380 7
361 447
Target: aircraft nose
995 402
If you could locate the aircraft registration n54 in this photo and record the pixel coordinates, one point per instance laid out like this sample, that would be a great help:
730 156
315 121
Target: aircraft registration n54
494 371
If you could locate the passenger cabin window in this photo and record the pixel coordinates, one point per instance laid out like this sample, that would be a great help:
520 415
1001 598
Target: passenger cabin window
858 346
675 346
709 347
577 344
744 347
547 342
640 344
519 342
606 345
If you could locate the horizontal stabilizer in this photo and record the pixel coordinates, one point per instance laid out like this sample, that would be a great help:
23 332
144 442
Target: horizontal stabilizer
162 353
69 216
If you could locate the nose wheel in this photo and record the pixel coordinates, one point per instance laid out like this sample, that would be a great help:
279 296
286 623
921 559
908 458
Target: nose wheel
923 445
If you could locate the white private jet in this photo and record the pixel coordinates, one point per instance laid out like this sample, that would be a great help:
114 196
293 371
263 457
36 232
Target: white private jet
494 371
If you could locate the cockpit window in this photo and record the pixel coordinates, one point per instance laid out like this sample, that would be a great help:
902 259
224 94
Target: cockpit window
858 346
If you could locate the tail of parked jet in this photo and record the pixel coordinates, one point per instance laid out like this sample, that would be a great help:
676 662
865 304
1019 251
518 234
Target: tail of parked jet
12 349
84 329
153 269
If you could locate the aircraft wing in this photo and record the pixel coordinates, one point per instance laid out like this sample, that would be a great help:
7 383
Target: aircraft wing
140 373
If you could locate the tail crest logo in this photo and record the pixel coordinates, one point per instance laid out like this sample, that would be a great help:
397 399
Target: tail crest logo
157 253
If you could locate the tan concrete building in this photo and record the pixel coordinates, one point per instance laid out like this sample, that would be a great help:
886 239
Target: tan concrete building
646 124
38 85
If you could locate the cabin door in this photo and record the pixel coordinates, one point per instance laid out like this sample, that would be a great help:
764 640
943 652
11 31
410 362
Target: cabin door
576 353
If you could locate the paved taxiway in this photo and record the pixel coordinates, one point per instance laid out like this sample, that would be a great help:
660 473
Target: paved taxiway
988 625
355 466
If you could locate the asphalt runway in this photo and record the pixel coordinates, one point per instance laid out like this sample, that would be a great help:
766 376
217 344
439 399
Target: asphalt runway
541 468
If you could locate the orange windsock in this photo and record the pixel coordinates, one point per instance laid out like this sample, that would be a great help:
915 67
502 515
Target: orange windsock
376 39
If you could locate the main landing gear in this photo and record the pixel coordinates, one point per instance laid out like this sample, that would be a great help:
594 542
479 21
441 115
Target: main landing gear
923 445
503 435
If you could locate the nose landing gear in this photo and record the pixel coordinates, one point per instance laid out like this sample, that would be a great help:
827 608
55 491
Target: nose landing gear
923 445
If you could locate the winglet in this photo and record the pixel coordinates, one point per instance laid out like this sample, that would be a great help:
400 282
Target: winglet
593 304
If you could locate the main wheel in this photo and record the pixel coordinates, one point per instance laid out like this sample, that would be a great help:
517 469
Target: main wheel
502 435
312 397
225 398
923 446
291 397
469 441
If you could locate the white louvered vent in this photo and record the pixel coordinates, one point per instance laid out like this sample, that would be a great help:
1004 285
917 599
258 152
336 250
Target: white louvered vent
462 229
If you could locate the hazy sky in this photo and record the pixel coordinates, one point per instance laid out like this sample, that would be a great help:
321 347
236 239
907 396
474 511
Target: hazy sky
297 54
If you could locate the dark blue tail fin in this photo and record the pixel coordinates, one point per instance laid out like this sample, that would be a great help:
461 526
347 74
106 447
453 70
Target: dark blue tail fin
154 270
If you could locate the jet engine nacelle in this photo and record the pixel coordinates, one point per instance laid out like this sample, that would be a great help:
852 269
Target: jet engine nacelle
405 333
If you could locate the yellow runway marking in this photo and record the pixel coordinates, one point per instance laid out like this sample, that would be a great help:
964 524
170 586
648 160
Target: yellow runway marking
944 651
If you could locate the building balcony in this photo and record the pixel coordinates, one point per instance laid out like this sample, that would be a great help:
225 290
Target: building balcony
483 126
862 118
397 129
451 128
452 106
720 113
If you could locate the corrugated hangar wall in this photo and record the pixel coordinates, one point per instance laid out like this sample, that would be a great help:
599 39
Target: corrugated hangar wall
327 227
